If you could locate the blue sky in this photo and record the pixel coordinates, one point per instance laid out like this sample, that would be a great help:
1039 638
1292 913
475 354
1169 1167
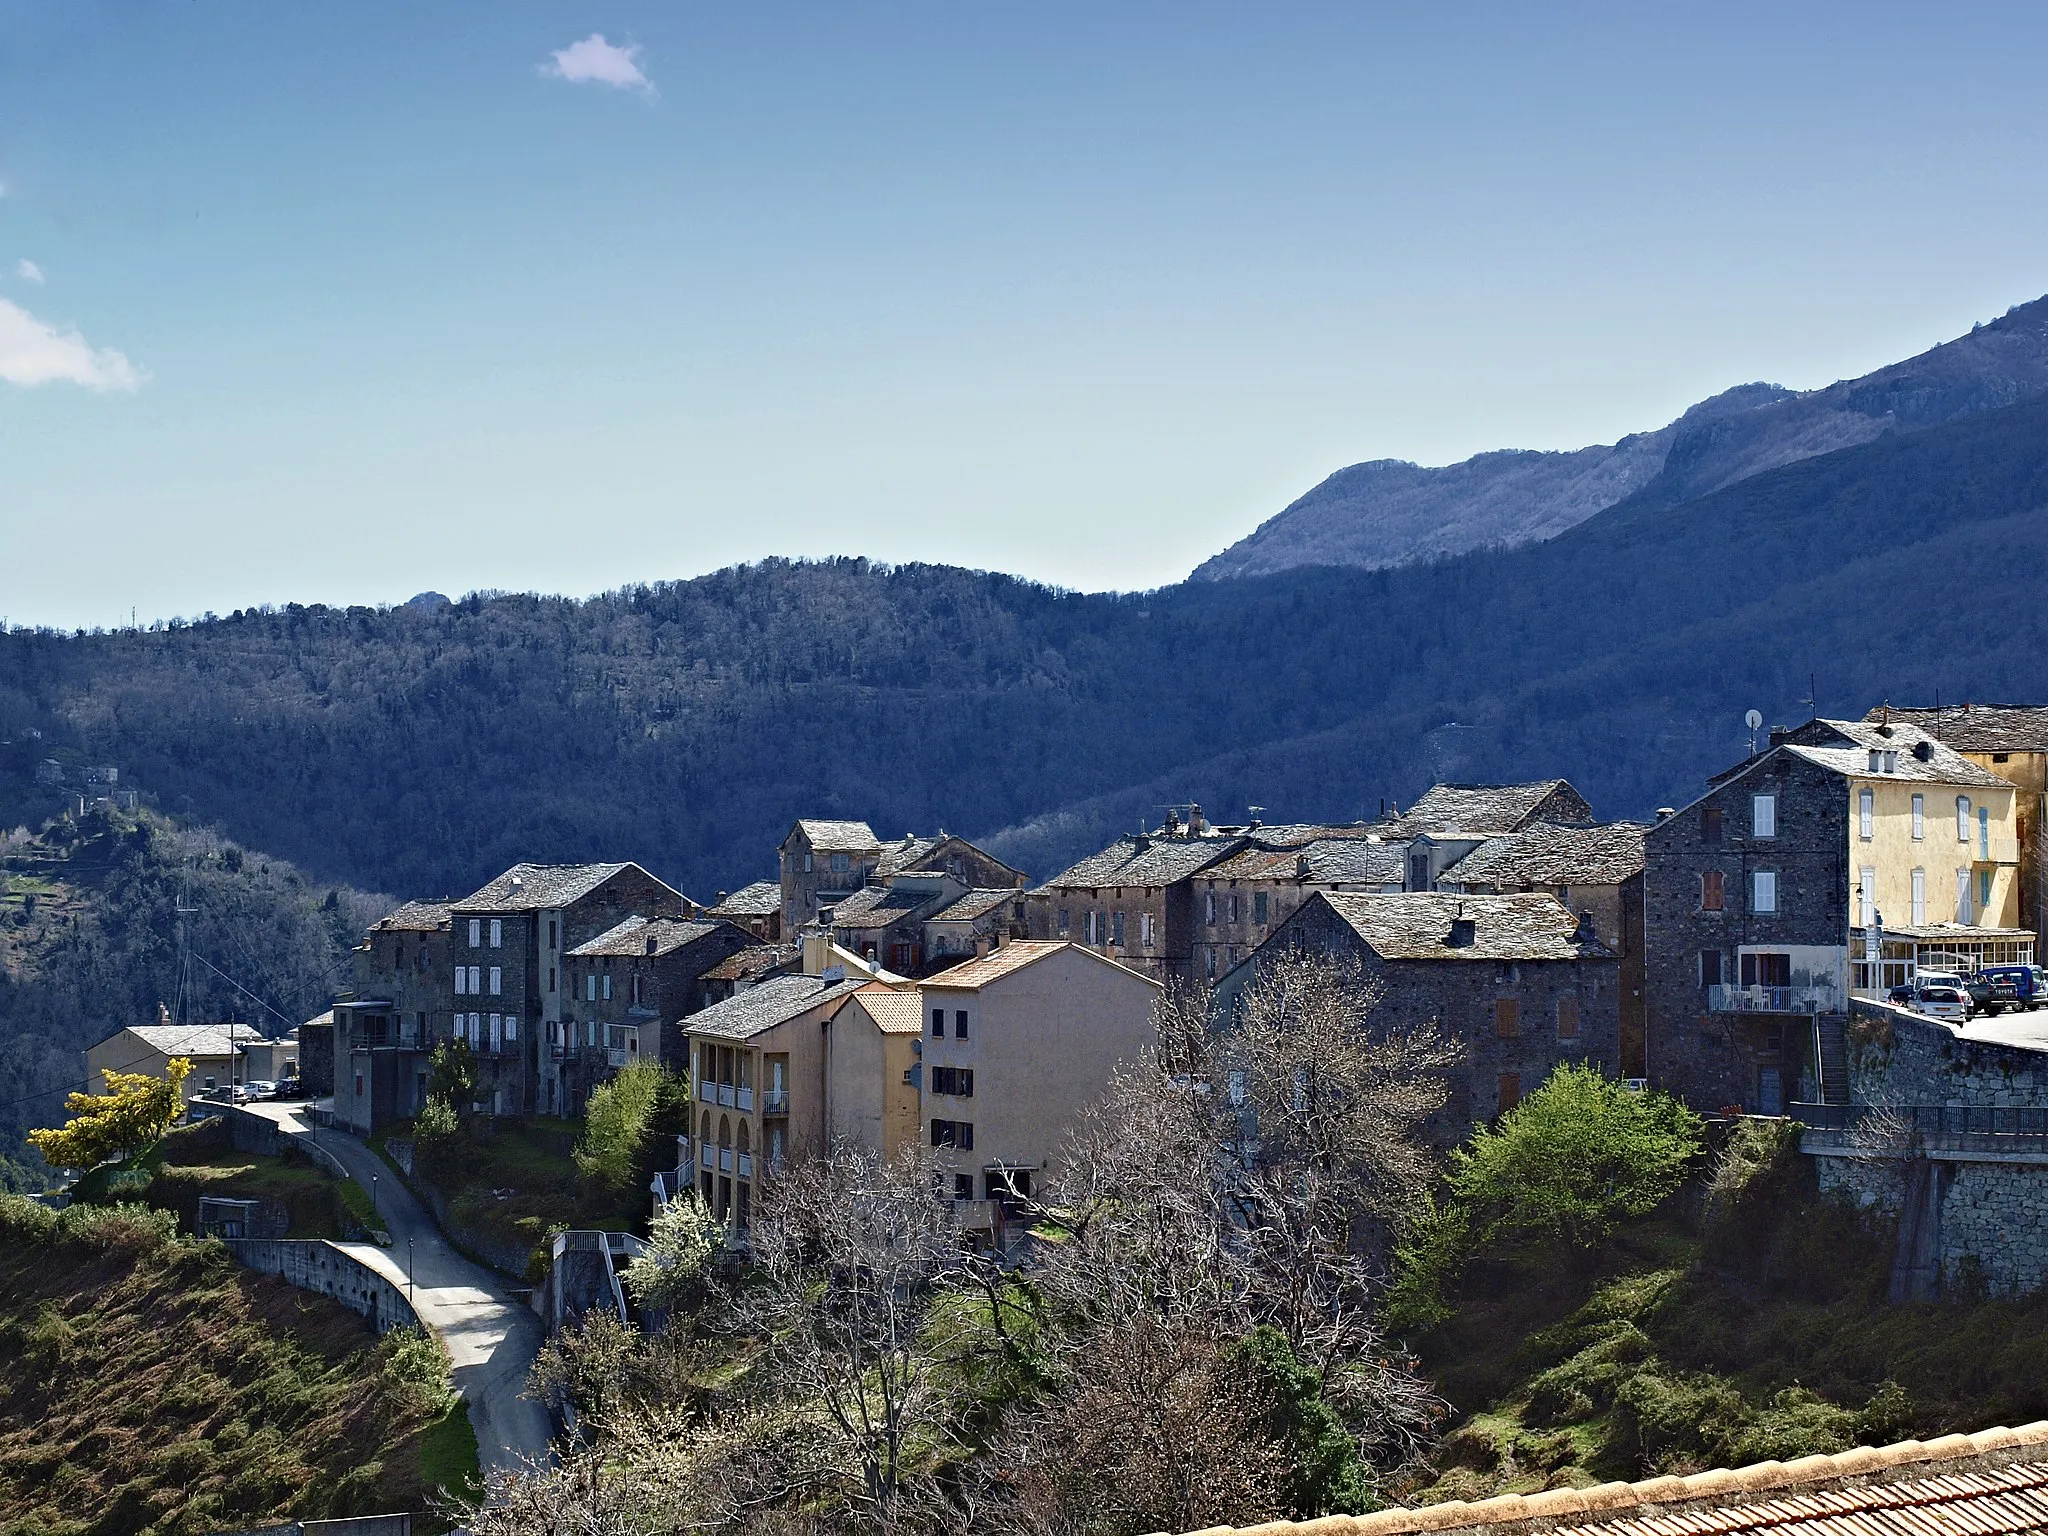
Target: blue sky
341 303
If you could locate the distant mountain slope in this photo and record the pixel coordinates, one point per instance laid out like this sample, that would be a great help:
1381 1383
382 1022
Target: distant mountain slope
686 725
1388 512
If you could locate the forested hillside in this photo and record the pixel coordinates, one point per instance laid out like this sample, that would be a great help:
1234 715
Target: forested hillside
88 944
686 724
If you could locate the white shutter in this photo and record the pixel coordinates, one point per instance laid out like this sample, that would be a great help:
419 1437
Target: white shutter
1764 891
1919 817
497 933
1919 897
497 980
1866 806
1867 889
462 981
476 932
1763 815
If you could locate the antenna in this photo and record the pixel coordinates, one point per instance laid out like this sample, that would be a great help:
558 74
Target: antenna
1812 699
1753 719
184 952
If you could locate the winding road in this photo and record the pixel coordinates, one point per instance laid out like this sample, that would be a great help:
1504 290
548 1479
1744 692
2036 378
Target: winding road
490 1335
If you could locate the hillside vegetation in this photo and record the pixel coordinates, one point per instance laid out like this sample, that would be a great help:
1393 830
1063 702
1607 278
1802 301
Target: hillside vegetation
149 1387
88 944
686 724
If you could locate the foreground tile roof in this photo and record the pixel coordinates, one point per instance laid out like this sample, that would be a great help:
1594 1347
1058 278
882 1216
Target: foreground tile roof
906 851
1993 1483
1546 854
1979 727
1416 925
761 899
877 906
895 1010
1013 956
645 936
767 1003
1321 861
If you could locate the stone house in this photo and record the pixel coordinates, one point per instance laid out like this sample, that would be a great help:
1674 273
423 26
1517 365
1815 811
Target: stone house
883 921
742 968
824 862
399 1006
2010 740
758 1079
1134 902
1778 893
1017 1044
872 1046
625 990
975 924
1596 870
1450 821
1242 899
1519 980
756 908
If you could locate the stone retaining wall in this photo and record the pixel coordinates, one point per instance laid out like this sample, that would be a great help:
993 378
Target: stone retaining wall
314 1264
1898 1057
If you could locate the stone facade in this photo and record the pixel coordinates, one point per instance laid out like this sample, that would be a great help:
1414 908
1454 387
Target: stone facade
626 991
1713 849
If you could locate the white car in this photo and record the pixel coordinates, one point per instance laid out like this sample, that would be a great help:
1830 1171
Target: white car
1943 1003
261 1088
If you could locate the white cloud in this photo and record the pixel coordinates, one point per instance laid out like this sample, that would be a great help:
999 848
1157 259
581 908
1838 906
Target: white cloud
29 270
597 62
34 352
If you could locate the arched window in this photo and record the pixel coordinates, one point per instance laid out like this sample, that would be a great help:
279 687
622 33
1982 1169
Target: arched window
725 1130
745 1146
707 1125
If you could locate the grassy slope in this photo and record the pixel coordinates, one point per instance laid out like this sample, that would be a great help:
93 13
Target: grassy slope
149 1385
1752 1331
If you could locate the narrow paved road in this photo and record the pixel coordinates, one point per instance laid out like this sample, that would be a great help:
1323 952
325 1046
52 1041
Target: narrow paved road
491 1336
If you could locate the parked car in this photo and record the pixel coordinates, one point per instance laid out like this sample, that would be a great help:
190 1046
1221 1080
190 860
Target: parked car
289 1088
261 1089
2029 983
1977 992
1943 1003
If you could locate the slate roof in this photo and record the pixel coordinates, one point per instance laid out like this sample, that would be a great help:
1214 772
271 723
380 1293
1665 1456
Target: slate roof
775 1000
1845 746
1979 727
414 917
1331 861
752 961
906 851
761 899
530 887
193 1039
839 836
630 937
970 975
1416 925
1482 807
1145 861
894 1010
877 906
977 903
1993 1483
1544 854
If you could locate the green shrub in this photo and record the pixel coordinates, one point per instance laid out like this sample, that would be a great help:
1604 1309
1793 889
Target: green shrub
1327 1474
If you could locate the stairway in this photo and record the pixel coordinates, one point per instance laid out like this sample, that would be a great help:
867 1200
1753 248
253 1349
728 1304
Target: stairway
1831 1041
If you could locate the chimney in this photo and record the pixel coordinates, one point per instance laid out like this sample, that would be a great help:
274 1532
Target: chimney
163 1014
1778 735
721 898
1585 933
1301 866
817 944
1666 812
1464 933
1196 823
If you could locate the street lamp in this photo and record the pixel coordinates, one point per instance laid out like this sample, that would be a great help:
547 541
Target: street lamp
411 1290
373 1196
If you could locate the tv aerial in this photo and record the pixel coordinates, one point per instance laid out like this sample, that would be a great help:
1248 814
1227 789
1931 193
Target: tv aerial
1753 720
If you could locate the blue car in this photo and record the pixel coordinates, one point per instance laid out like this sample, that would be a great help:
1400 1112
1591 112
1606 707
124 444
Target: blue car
2029 983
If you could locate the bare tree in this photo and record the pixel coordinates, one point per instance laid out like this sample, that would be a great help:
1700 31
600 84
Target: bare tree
848 1256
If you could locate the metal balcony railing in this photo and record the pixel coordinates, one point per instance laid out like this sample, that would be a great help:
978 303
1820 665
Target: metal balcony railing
1929 1127
1811 998
743 1099
775 1102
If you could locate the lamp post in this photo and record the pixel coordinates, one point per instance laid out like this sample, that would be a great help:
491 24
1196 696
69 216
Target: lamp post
411 1289
374 1211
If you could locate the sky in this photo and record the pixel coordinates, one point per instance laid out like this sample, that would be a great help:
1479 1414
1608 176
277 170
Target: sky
344 303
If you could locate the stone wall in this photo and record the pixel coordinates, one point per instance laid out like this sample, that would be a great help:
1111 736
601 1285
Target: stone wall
1992 1217
1898 1057
314 1264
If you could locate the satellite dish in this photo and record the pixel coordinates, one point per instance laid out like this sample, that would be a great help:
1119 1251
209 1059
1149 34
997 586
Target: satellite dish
1753 719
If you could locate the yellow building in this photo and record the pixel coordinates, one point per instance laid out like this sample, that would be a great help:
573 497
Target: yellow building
871 1059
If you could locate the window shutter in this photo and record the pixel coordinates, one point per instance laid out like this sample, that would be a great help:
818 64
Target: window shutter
1510 1090
1568 1016
1711 891
1507 1017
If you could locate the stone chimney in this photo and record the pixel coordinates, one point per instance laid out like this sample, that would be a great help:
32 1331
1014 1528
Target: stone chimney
817 943
1585 933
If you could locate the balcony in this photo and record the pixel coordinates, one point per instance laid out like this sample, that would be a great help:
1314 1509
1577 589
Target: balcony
705 1160
725 1095
1810 998
775 1102
746 1168
743 1099
725 1159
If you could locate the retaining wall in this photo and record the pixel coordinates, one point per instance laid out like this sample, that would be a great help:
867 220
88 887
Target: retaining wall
314 1264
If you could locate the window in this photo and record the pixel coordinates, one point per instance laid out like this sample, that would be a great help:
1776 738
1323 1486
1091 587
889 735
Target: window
1767 970
953 1133
938 1023
359 1085
1510 1090
1259 907
1507 1017
959 1023
1418 871
1712 893
497 981
1116 928
1962 818
1211 951
1984 890
607 986
1568 1016
496 1024
1235 910
476 933
1209 915
1145 929
590 986
1763 891
1866 896
1710 824
476 980
1763 815
838 863
1063 922
1710 968
1984 832
462 981
807 863
1919 896
1919 817
963 1186
551 978
956 1082
497 933
1866 813
511 1027
551 934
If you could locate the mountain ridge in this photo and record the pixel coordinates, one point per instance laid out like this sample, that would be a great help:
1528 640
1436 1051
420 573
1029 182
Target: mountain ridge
1388 512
